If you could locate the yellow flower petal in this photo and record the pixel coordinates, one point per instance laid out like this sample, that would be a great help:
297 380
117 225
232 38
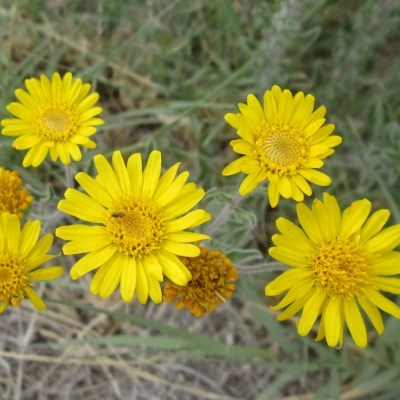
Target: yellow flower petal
190 220
92 261
11 226
142 288
354 217
294 308
302 184
388 264
98 277
391 285
94 189
181 249
286 280
284 187
172 192
295 293
134 167
373 314
107 175
81 206
46 274
314 176
186 237
311 311
383 303
154 288
294 233
166 180
355 322
128 279
173 268
374 224
89 244
287 256
332 321
29 237
184 203
153 267
151 173
35 299
112 278
249 184
309 223
384 241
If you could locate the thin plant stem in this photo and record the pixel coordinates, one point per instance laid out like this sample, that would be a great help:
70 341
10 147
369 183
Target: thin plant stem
68 176
225 214
11 30
263 267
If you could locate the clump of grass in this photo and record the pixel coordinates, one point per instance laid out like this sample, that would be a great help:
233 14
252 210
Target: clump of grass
167 72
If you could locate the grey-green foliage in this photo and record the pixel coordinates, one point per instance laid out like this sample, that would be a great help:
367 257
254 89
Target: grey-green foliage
167 72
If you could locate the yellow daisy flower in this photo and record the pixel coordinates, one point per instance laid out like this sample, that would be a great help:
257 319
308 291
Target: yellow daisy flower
341 262
13 197
212 282
21 254
53 116
138 226
283 142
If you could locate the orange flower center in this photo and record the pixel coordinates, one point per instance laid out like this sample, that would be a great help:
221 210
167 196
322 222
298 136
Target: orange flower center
340 268
212 282
13 280
135 227
13 197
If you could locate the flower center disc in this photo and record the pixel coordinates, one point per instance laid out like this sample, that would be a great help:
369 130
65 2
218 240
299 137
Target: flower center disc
13 197
280 148
55 120
340 268
57 123
13 280
135 227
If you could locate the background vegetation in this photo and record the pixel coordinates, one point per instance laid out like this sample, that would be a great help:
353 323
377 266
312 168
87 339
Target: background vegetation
167 72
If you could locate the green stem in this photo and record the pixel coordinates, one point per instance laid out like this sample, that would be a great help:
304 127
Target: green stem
68 176
224 214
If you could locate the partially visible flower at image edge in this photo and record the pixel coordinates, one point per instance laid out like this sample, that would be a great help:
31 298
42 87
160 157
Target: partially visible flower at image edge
341 262
139 219
55 116
13 197
212 282
283 142
21 255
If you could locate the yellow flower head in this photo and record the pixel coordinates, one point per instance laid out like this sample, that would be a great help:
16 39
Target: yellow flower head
283 142
21 254
212 282
342 261
138 226
55 116
13 197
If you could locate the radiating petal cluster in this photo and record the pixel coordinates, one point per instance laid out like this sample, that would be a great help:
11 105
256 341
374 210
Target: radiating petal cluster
138 221
53 116
21 255
341 263
213 277
13 197
284 142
